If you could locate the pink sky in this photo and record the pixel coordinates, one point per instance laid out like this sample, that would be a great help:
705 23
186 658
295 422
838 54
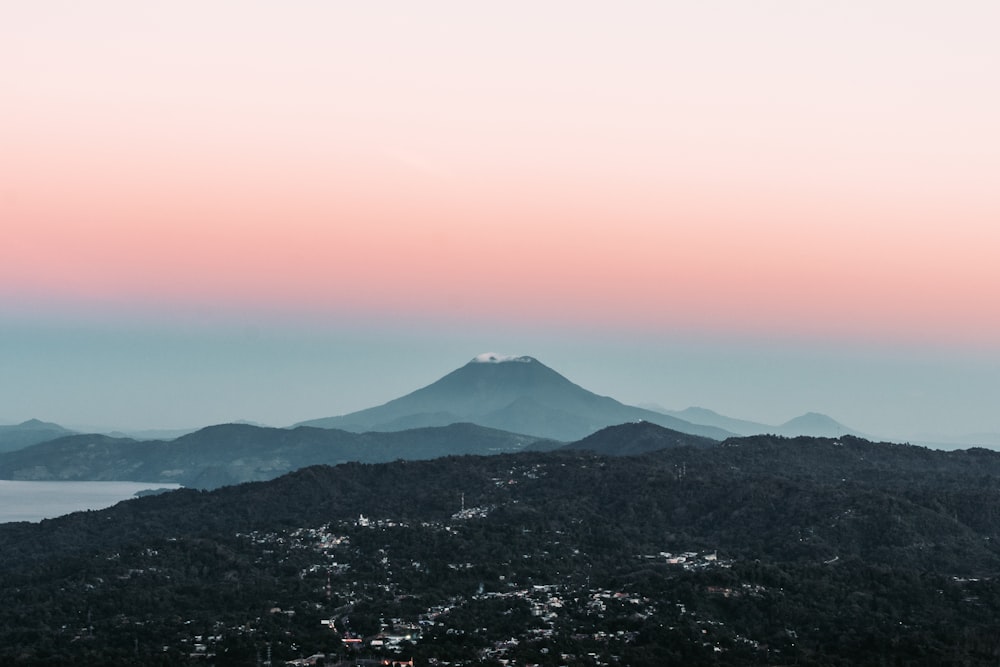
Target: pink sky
815 168
243 209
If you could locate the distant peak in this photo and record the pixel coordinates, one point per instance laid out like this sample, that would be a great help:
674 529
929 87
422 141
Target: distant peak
494 358
813 417
36 423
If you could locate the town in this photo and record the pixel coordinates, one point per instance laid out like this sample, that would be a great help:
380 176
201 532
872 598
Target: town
542 616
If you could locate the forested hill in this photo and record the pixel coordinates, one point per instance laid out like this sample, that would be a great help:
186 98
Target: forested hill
758 551
635 438
723 495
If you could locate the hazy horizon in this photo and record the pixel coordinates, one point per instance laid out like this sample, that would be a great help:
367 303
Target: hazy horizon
229 210
280 378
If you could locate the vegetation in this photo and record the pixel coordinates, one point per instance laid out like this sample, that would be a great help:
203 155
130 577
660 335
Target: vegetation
760 550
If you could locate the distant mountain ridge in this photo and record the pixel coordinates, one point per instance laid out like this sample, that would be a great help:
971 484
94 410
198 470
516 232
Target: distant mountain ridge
228 454
234 453
941 441
515 394
813 424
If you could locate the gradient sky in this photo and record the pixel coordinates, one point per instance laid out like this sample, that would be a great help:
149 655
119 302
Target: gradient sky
216 210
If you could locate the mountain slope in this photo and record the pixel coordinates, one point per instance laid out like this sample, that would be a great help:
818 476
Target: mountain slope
517 394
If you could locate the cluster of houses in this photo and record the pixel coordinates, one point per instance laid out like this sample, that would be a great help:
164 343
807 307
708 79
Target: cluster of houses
554 607
690 560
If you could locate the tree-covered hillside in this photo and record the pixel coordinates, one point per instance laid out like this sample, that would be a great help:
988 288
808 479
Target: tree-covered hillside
759 551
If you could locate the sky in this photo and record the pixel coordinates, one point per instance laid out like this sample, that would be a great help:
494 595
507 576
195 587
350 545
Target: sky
216 210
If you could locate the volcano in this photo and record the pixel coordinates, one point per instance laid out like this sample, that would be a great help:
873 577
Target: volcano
512 393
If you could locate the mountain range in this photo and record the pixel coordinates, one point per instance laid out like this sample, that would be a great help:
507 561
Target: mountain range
493 404
515 394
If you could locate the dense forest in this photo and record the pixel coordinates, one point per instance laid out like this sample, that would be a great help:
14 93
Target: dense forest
759 550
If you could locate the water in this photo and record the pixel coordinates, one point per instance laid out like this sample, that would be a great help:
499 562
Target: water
34 501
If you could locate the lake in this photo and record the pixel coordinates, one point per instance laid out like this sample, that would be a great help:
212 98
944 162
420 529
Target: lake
34 501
